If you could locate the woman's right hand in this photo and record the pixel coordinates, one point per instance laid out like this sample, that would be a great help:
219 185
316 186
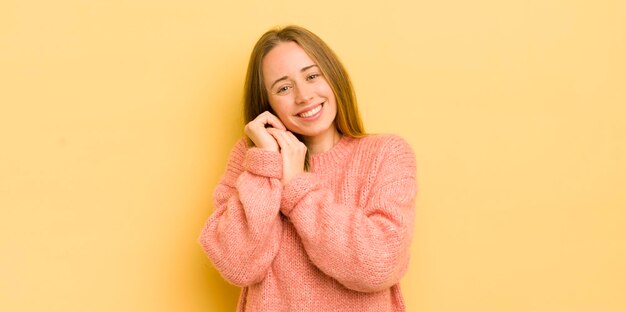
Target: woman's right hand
257 132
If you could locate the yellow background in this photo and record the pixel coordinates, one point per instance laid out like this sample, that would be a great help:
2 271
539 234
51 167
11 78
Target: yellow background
116 118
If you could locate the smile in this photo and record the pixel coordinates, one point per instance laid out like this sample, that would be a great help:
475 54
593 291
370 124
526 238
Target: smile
311 112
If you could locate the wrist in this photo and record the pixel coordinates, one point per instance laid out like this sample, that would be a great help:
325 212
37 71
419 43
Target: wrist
288 177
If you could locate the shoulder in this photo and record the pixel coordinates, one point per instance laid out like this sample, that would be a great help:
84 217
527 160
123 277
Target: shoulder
385 144
234 165
376 152
238 151
384 158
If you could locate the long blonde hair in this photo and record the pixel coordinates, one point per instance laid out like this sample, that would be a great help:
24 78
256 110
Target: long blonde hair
256 99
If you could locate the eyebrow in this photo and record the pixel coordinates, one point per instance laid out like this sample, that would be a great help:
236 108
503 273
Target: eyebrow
305 68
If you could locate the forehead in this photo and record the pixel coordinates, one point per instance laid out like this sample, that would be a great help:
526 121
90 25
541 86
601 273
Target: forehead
286 59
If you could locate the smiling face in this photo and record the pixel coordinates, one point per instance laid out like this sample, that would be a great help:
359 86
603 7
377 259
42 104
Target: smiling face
299 93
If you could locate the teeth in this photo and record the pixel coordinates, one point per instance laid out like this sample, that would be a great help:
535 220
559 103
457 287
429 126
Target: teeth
311 112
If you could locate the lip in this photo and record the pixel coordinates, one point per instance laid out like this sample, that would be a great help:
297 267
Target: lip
309 108
313 117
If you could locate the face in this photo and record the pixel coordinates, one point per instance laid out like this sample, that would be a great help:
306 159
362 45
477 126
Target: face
298 92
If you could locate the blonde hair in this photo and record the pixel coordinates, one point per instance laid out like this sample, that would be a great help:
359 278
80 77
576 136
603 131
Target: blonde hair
256 99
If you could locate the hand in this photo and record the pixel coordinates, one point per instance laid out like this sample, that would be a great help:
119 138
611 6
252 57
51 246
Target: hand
293 152
256 130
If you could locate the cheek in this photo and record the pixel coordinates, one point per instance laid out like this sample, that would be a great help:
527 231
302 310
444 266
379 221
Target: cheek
279 108
325 89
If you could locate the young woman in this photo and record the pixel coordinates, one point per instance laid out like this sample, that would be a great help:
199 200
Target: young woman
311 213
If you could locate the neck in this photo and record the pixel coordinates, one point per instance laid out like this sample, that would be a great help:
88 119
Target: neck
322 143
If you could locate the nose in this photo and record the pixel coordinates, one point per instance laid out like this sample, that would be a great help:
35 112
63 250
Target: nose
303 93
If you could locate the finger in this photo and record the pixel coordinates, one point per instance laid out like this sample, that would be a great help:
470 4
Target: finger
292 136
298 145
264 119
279 136
288 139
271 119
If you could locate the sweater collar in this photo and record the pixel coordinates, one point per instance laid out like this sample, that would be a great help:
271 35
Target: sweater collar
333 156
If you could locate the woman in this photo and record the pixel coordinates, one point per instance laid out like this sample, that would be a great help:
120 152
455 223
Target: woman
311 214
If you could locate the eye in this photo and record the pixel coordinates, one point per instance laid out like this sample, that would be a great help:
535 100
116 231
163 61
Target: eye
283 89
312 76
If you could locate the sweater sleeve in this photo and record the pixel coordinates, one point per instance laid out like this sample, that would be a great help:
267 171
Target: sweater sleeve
242 236
364 248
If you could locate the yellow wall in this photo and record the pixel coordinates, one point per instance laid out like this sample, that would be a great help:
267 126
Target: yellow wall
116 118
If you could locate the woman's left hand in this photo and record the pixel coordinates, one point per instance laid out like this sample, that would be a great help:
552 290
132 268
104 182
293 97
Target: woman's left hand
293 152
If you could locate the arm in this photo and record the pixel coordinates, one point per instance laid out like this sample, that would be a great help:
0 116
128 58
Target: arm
364 248
242 236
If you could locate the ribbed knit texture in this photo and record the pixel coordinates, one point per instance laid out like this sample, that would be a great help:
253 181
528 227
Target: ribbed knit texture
335 238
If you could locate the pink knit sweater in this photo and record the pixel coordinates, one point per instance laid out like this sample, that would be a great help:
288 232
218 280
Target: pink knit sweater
335 238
